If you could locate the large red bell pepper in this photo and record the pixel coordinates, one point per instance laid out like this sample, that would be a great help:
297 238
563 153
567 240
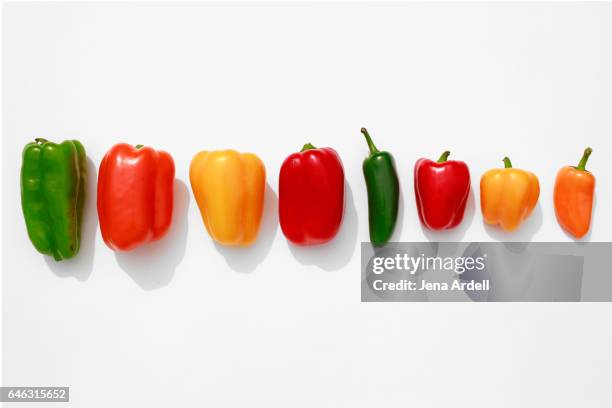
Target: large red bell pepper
135 195
441 189
311 195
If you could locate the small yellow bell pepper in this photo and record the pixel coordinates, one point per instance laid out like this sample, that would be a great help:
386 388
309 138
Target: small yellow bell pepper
508 196
229 188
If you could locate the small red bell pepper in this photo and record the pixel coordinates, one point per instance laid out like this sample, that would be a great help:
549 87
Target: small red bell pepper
135 195
441 189
311 195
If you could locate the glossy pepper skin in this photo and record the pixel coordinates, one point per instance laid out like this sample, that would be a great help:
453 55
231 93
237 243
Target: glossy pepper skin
135 195
229 188
311 195
573 197
441 189
508 196
383 192
53 178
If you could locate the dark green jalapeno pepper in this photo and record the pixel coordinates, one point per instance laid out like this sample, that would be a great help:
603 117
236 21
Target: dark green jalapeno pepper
383 192
52 195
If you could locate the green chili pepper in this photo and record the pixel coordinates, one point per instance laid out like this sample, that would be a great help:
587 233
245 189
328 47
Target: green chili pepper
53 180
383 192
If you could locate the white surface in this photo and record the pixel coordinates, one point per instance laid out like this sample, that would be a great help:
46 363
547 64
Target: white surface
185 323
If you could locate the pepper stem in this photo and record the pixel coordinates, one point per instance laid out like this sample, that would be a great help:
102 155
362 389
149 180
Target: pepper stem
308 146
585 158
507 163
40 140
139 146
371 144
444 157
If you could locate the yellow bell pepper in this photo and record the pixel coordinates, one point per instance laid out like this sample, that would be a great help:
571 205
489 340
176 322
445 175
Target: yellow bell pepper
229 188
508 196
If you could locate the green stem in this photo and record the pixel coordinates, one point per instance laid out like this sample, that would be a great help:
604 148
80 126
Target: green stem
585 158
139 146
507 163
444 157
371 145
40 140
308 146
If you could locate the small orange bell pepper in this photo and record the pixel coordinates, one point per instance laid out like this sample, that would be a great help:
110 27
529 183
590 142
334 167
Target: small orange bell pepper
508 196
573 196
229 188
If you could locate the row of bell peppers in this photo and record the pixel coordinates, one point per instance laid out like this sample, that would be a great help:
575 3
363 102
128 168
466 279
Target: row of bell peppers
135 195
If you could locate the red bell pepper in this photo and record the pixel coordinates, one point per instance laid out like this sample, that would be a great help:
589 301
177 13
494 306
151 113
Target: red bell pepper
441 189
311 195
135 195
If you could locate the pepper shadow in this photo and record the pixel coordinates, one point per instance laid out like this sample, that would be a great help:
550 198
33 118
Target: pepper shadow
454 234
246 259
153 265
81 266
333 255
524 233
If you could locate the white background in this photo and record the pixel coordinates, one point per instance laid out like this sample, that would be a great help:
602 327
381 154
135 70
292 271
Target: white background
184 322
